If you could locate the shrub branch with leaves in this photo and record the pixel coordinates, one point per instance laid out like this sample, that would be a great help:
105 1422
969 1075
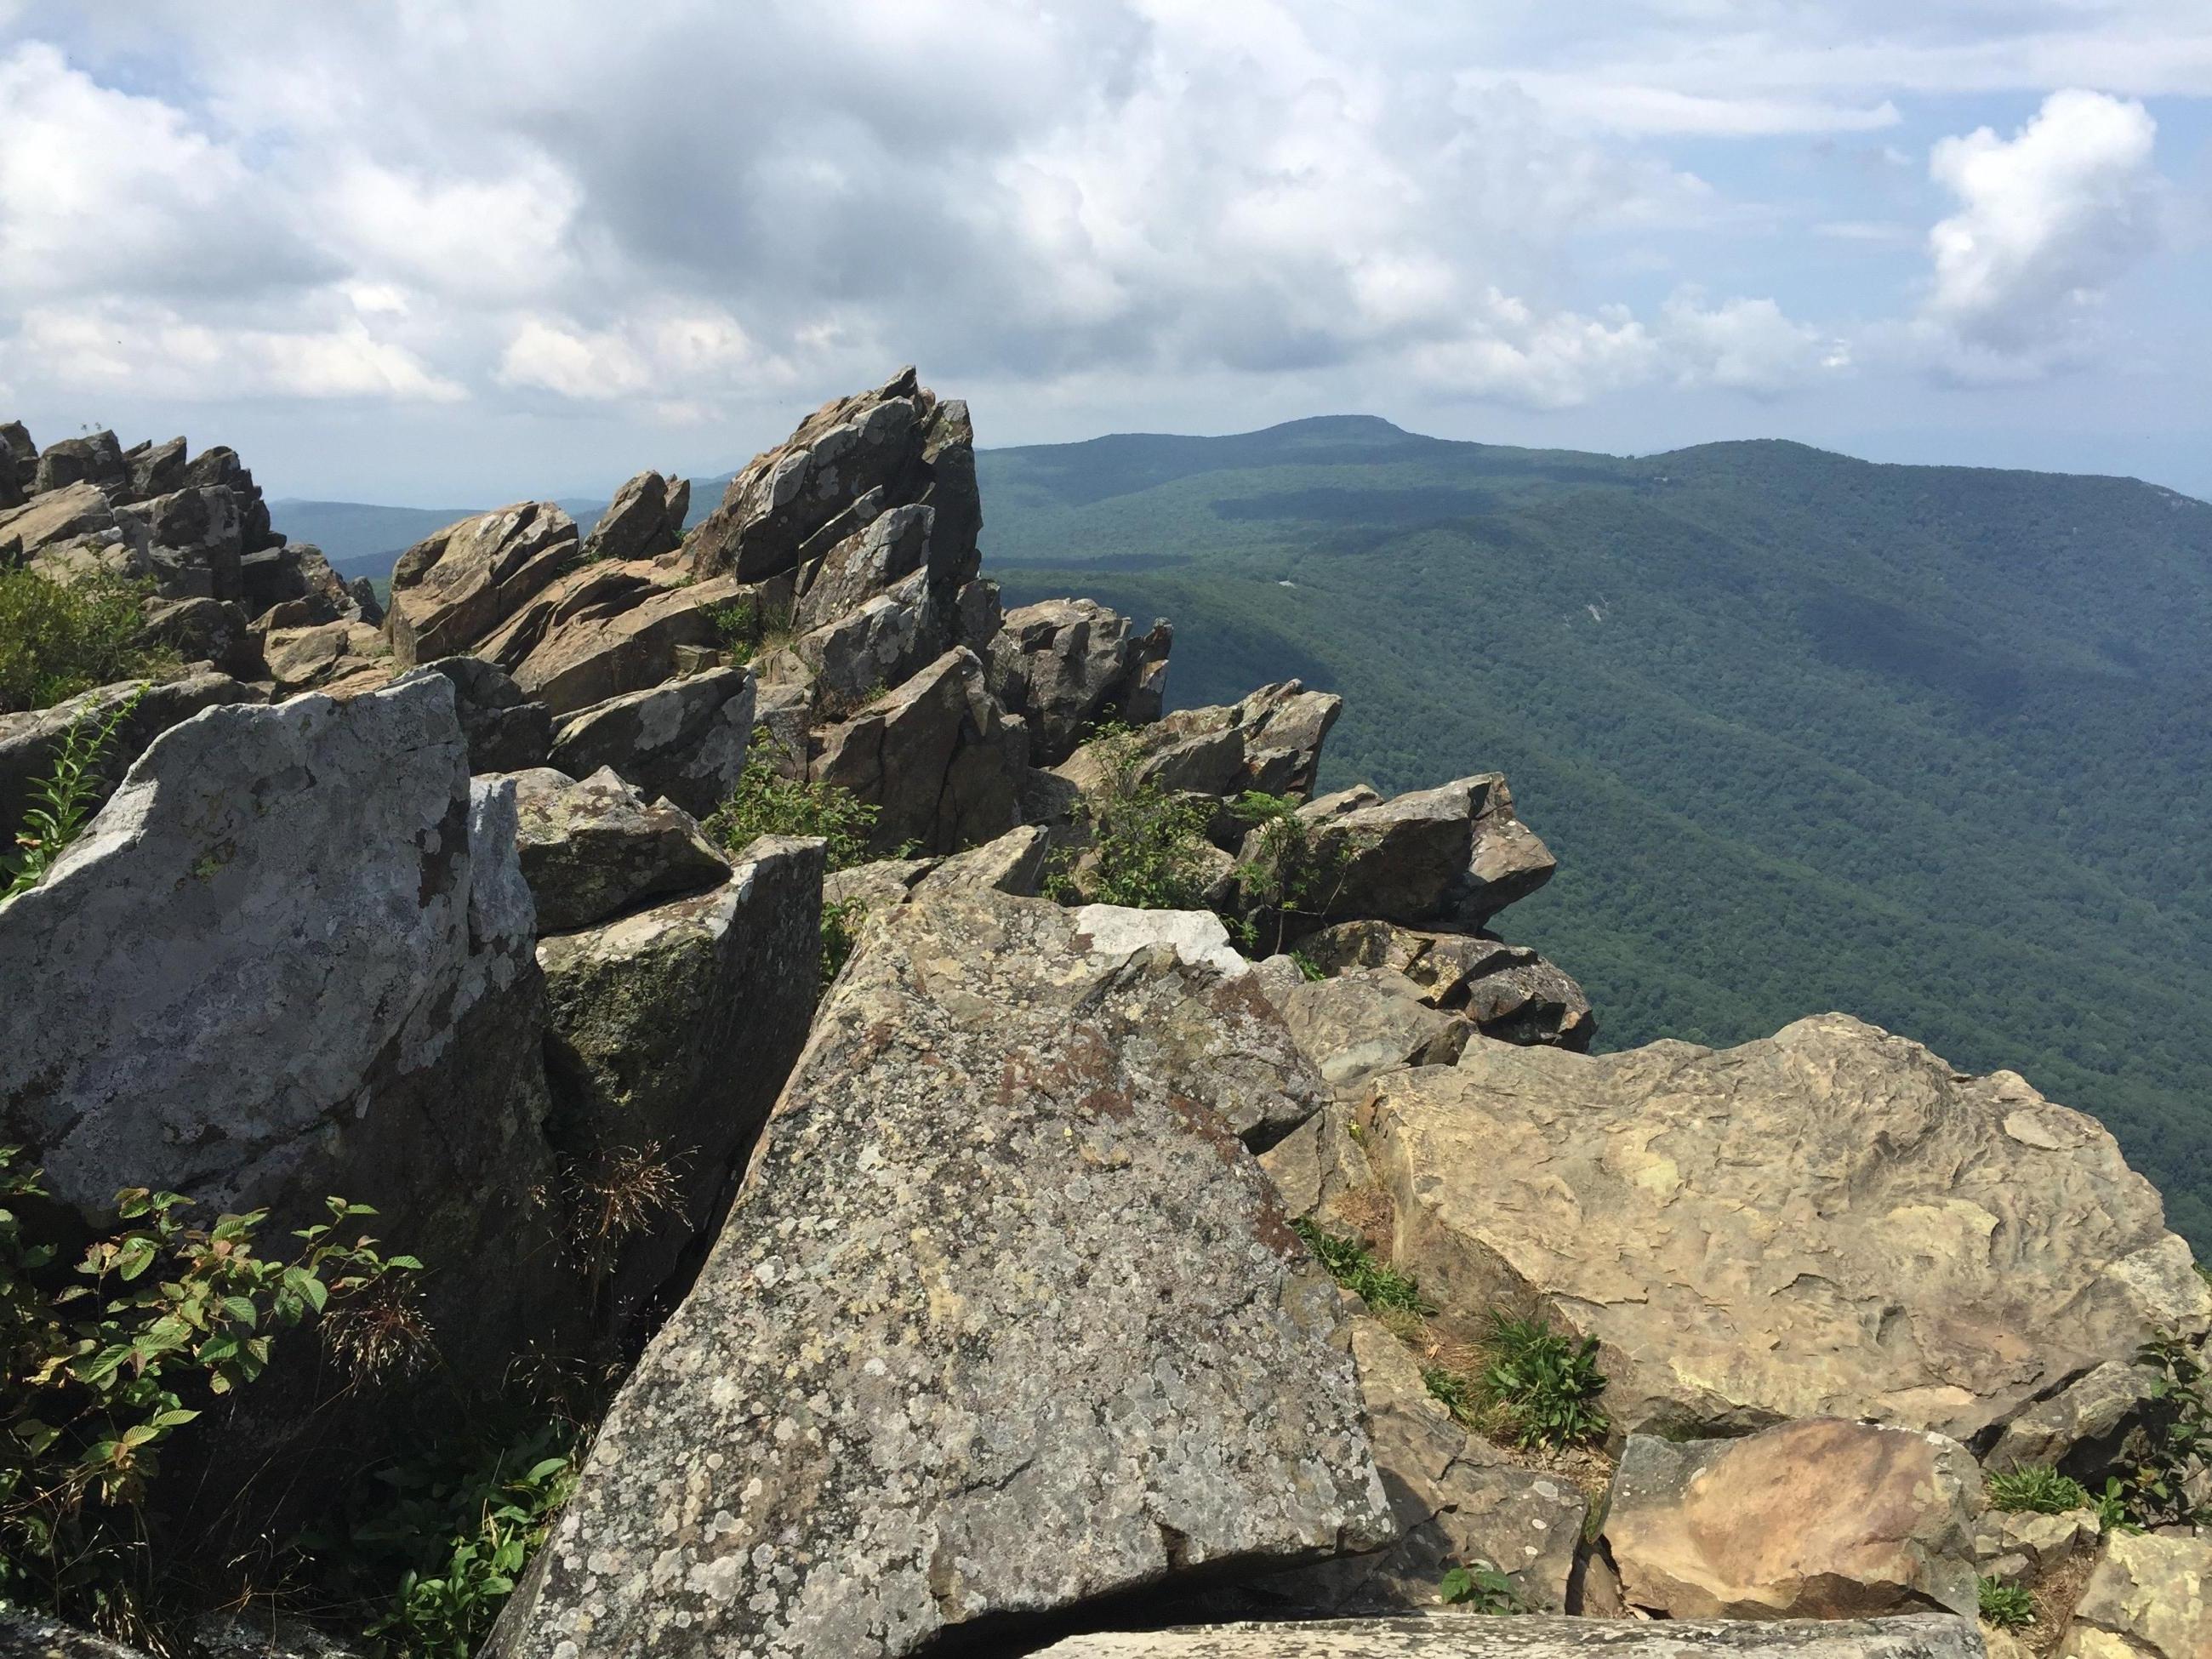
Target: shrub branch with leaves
101 1365
62 800
1147 847
766 803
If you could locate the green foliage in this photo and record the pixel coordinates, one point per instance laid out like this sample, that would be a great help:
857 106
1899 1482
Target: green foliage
1147 847
1458 1394
1308 969
765 803
1353 1265
456 1527
2112 1506
2037 1489
62 800
58 639
1480 1588
1907 741
749 628
840 926
1549 1384
100 1365
1284 875
2173 1441
2007 1606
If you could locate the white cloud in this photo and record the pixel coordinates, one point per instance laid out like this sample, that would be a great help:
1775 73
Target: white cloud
688 352
1626 107
2047 221
1746 345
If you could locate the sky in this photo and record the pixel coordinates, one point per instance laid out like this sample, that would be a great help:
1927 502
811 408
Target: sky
481 250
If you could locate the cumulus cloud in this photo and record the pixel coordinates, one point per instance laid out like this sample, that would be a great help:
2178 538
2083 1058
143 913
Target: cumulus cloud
2048 220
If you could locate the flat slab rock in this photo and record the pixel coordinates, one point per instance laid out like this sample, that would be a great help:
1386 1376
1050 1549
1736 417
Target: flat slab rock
1471 1636
1004 1318
1828 1222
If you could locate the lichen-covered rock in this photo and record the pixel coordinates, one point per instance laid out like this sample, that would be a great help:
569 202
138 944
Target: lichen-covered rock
890 547
1510 993
1829 1222
644 520
95 459
30 741
1818 1519
590 652
1318 1165
1455 854
214 631
292 956
669 1032
1066 664
2149 1598
685 739
1443 1637
450 590
67 514
847 662
1358 1024
1270 742
27 1635
1004 1318
305 659
2019 1545
848 464
505 732
936 756
594 846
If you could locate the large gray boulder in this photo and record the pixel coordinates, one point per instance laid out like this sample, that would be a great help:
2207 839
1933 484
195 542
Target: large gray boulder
30 741
685 739
1004 1318
451 589
669 1030
937 757
292 956
891 546
644 520
96 459
1830 1222
1359 1025
850 462
1444 1637
593 848
1067 664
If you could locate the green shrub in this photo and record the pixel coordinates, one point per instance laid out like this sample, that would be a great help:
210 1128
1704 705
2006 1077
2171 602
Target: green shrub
1287 876
1148 847
2007 1605
58 639
1480 1588
63 799
2173 1441
1456 1393
1549 1384
99 1365
2037 1489
1353 1265
766 803
748 628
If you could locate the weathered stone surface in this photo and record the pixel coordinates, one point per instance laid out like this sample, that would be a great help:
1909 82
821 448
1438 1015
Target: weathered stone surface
505 732
22 454
1014 864
593 846
96 459
2021 1546
1511 994
987 1333
644 520
590 653
450 590
60 516
219 465
2079 1429
27 1635
204 630
156 469
1066 664
1444 1637
848 463
198 537
1456 853
1456 1499
1829 1222
11 491
847 663
292 956
891 546
260 1635
685 739
672 1030
1819 1519
1363 1023
30 741
1270 742
2149 1598
936 756
301 659
1318 1166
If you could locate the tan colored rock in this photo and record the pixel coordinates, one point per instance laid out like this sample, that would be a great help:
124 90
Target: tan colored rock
591 656
305 659
1822 1519
1360 1024
2016 1546
1445 1636
2149 1598
1455 854
59 515
1318 1165
451 589
1270 742
594 846
2081 1427
644 520
1829 1222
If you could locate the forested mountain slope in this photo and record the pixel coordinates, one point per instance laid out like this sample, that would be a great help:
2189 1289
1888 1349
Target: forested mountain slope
1925 744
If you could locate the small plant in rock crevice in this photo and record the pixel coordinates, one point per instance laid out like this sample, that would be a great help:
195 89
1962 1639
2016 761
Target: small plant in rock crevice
62 800
1547 1383
1479 1587
1354 1267
2036 1488
1286 876
749 628
2172 1444
2009 1607
841 930
766 803
1148 848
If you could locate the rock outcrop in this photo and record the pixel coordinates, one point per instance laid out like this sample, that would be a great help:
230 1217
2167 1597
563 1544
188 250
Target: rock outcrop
1830 1221
1067 664
685 740
2149 1598
1929 1636
451 590
593 848
1004 1320
29 741
1818 1519
1454 856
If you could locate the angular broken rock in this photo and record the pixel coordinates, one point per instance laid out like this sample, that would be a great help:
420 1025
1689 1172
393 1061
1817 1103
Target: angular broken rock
1455 854
936 757
2078 1429
593 848
1270 742
1066 664
1360 1024
450 590
644 520
1447 1636
1509 991
1828 1221
685 740
669 1032
505 732
2149 1598
1817 1519
1004 1320
29 741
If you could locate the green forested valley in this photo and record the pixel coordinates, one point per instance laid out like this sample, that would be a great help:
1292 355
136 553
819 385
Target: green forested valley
1928 744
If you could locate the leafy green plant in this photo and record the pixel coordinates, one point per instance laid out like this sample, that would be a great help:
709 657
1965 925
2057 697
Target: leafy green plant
840 927
1308 969
62 800
1481 1588
1354 1267
1285 875
766 803
2174 1440
2111 1505
1549 1384
2009 1607
749 628
431 1547
2037 1489
99 1367
58 639
1456 1393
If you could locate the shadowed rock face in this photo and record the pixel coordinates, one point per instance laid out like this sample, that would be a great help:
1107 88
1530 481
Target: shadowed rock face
1829 1222
1467 1638
1004 1318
